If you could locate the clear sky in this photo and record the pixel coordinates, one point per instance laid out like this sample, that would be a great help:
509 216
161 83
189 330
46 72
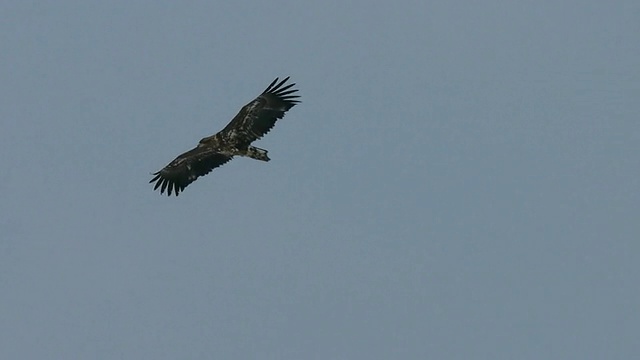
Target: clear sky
460 181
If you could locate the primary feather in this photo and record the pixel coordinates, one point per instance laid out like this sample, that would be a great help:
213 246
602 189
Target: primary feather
252 122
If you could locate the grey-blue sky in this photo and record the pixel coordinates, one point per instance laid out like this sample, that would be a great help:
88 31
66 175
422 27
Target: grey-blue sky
460 181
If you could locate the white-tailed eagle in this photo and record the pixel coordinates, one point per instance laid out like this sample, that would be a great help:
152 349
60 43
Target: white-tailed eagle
252 122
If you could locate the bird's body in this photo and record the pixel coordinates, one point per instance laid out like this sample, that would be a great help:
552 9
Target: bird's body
253 121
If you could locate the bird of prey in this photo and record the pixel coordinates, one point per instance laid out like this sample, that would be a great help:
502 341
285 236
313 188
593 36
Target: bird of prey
252 122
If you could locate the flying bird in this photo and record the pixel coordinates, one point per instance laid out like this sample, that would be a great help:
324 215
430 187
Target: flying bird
252 122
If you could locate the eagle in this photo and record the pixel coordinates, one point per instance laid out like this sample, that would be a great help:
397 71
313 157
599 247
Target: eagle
252 122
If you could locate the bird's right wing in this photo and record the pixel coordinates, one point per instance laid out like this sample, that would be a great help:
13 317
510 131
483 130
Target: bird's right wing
260 115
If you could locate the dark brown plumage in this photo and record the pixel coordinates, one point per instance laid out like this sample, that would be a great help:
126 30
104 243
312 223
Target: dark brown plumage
252 122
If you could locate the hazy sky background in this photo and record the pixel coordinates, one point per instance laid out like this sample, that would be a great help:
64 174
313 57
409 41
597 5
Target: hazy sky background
459 182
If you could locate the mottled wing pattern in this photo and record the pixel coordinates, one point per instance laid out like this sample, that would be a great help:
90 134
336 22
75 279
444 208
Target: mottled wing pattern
187 167
253 121
260 115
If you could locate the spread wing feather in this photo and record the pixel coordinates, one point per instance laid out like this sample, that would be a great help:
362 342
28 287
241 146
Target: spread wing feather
187 167
260 115
252 122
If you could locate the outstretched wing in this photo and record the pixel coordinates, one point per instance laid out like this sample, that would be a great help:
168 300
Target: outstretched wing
258 117
187 167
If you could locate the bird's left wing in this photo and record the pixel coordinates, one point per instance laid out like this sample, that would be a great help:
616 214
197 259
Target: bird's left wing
187 167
